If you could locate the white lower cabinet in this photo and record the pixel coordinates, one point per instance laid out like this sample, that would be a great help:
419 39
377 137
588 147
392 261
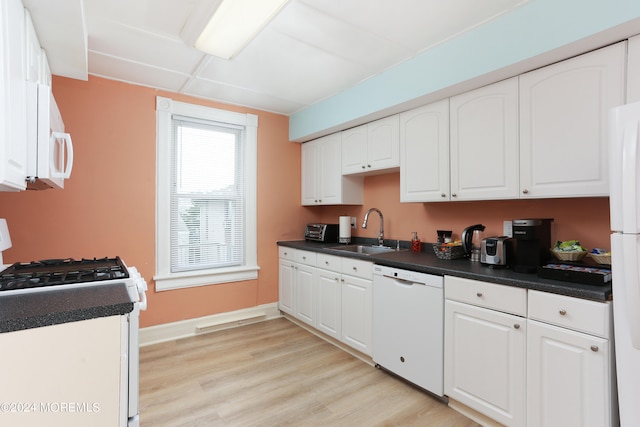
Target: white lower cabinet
569 362
305 282
528 357
333 294
297 283
328 303
70 374
566 377
286 277
357 320
485 351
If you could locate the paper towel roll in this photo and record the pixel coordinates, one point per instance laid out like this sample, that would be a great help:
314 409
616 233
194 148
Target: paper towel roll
344 235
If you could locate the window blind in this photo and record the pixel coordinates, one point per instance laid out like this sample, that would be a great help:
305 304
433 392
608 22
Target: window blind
207 195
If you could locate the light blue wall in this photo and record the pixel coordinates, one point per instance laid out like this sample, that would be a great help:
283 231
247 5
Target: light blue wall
537 27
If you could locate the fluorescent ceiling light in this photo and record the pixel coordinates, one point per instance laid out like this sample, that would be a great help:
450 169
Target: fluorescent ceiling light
234 24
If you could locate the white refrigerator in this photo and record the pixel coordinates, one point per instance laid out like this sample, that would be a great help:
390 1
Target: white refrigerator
624 140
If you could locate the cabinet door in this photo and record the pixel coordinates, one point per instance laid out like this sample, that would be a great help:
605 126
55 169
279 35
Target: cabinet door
563 124
13 96
309 171
383 145
568 378
424 153
33 52
329 300
305 278
357 320
633 70
484 143
330 173
80 362
354 150
485 361
286 286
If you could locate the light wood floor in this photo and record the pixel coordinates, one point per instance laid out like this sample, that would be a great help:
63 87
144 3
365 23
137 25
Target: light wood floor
275 373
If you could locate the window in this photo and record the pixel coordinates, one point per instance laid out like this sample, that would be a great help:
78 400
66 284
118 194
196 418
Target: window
206 195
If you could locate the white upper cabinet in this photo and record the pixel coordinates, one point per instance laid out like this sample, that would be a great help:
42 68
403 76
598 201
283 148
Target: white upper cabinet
424 153
13 107
373 147
563 124
354 150
322 181
484 142
33 51
633 70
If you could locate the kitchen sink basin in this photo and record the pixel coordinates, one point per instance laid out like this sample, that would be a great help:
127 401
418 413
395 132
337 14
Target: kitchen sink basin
365 249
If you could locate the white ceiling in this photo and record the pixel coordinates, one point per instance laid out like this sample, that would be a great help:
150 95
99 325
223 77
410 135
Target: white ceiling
311 50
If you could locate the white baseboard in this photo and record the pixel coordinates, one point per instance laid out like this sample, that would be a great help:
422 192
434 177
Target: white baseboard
472 414
215 322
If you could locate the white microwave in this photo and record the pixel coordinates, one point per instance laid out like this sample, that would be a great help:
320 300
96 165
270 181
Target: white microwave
49 148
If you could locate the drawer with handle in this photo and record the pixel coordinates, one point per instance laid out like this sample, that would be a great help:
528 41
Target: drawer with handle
503 298
329 262
306 257
286 253
578 314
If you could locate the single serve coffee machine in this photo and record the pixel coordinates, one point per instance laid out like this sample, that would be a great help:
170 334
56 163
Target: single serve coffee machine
533 243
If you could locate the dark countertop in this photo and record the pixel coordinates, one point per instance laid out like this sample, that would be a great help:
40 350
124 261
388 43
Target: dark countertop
427 262
20 311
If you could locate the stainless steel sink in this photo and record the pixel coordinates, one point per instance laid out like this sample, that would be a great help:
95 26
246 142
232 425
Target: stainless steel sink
365 249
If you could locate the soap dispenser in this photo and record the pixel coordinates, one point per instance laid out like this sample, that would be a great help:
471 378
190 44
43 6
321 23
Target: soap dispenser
415 242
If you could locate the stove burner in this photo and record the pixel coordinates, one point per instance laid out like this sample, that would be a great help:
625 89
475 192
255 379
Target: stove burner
52 272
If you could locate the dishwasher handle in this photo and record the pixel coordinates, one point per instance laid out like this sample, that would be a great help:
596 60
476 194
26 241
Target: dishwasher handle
403 282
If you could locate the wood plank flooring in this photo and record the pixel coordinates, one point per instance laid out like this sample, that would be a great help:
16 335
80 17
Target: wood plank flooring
275 373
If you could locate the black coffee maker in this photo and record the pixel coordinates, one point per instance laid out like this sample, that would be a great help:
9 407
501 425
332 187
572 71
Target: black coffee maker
533 243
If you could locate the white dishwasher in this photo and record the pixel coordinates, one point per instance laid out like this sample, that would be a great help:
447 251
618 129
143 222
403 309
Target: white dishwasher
408 326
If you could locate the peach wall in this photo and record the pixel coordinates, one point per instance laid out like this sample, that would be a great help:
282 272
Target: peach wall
108 206
584 219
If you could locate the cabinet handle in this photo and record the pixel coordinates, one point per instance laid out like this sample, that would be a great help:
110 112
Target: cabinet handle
562 312
304 258
363 167
479 294
517 326
454 195
368 166
355 269
594 348
443 195
326 262
525 191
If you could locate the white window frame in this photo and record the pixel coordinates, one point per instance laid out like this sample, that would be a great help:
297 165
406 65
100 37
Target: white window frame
164 278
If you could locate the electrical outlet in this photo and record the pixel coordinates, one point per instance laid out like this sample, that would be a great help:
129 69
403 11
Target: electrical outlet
353 222
507 228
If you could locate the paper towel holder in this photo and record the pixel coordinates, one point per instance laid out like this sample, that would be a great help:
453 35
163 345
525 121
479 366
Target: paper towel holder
344 233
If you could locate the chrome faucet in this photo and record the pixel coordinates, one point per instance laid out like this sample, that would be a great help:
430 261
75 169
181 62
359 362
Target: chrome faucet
366 218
